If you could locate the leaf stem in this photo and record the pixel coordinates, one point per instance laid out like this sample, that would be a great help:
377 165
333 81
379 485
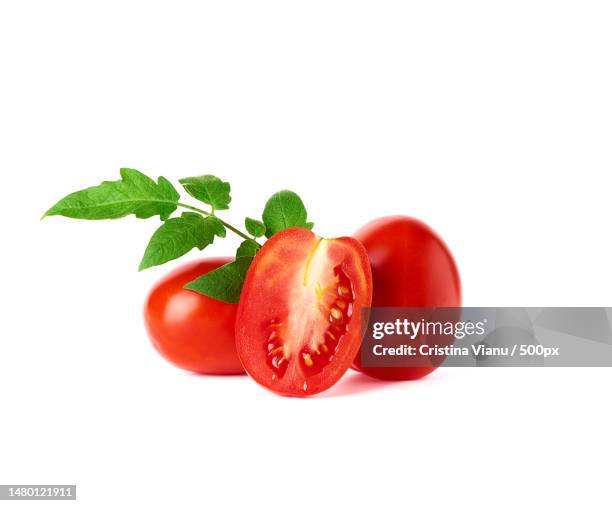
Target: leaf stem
225 224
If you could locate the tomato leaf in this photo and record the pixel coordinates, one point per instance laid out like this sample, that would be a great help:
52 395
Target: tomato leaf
224 283
216 225
208 189
283 210
180 235
247 248
254 227
134 194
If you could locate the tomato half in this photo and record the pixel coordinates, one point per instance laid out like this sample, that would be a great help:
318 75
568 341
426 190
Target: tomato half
411 267
190 330
298 326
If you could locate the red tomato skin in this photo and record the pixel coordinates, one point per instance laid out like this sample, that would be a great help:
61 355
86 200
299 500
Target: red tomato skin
411 267
264 297
190 330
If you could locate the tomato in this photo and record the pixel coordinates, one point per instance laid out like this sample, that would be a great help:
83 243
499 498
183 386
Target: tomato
411 267
190 330
298 326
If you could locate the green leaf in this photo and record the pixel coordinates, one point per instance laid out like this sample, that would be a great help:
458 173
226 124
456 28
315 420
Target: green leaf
224 283
134 194
247 248
208 189
178 236
254 227
283 210
216 225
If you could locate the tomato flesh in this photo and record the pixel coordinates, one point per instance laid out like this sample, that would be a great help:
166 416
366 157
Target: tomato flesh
298 326
411 267
190 330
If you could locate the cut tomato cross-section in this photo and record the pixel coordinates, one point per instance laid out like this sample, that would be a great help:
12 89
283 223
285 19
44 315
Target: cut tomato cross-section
298 326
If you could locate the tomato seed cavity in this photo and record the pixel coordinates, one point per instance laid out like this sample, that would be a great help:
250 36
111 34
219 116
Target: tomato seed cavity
313 359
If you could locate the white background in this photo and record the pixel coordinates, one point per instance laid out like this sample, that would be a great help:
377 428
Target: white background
489 120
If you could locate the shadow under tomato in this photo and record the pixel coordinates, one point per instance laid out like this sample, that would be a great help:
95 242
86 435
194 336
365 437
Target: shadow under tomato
215 375
355 383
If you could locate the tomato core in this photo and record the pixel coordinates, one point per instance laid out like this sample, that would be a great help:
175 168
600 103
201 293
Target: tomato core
316 348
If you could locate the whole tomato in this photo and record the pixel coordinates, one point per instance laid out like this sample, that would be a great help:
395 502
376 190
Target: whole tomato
411 267
190 330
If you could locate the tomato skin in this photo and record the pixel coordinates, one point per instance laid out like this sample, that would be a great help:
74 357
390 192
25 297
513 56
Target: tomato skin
298 326
190 330
411 267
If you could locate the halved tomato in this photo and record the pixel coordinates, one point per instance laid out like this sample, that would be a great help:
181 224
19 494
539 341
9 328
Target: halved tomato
298 326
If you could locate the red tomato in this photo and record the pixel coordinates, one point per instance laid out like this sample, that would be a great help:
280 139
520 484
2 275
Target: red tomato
411 267
190 330
298 326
